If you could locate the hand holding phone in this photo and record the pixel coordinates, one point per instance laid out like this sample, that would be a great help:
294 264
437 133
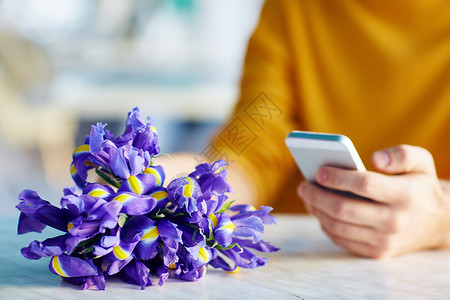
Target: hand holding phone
311 150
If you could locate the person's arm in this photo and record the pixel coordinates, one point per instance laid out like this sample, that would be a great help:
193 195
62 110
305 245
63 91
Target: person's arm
410 210
252 140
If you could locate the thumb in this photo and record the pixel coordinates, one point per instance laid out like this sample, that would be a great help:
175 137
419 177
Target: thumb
404 159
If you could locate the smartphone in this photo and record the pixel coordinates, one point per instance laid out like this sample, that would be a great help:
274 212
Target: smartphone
311 150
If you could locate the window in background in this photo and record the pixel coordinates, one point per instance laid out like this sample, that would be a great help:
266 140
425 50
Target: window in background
178 60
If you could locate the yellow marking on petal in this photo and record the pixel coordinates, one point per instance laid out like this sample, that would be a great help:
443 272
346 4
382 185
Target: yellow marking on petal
172 266
73 169
154 173
57 267
235 271
153 128
135 185
159 195
230 226
252 207
69 226
218 170
82 148
122 197
188 189
203 255
98 193
152 234
120 253
213 219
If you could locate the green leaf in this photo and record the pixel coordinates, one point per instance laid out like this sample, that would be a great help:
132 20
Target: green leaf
212 243
218 247
225 206
87 243
107 178
87 250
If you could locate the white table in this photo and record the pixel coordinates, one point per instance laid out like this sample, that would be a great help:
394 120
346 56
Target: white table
308 267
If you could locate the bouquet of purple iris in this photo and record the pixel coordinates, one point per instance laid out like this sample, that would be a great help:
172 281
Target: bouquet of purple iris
136 227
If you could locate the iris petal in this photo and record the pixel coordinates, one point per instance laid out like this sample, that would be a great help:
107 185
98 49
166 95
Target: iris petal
98 190
158 172
184 192
96 138
119 163
224 230
50 247
135 204
136 161
69 266
140 184
39 210
249 227
144 230
161 196
136 273
27 224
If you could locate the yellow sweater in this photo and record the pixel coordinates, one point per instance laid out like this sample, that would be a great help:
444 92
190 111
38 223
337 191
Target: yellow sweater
377 71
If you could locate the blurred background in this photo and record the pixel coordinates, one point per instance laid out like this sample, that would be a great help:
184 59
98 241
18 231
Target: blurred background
64 65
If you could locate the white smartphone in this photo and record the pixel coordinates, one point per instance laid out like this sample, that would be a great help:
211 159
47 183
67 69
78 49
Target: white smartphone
311 150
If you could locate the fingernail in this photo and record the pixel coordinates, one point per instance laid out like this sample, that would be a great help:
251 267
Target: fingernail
382 158
322 175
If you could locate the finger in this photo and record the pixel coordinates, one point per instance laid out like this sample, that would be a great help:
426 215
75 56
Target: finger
301 192
375 186
404 159
348 231
362 249
352 211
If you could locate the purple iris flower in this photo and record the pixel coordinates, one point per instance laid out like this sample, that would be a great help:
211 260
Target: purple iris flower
188 273
139 184
263 213
90 215
248 227
184 192
193 262
192 235
158 173
96 138
212 178
207 216
135 225
37 213
236 234
241 257
136 272
116 159
240 254
120 256
48 248
97 281
154 237
70 266
127 161
78 271
161 196
140 134
135 204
